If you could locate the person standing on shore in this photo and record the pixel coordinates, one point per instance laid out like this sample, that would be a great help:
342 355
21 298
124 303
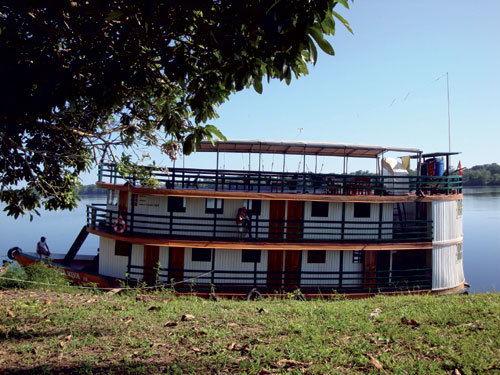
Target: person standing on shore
42 248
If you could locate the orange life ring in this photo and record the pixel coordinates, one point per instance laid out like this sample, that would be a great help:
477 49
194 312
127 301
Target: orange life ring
119 225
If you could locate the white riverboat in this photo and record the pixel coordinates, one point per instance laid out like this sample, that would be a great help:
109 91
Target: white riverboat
308 232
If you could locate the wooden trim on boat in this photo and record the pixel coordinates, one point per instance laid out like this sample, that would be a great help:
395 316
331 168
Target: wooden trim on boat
366 246
448 242
456 289
280 196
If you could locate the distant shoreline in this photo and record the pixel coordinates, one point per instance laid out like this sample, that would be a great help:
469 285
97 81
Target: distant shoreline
91 190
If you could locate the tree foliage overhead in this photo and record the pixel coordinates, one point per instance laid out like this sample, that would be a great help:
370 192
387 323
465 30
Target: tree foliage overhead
83 81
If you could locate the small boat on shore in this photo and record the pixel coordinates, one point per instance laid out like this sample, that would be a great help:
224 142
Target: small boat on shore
80 271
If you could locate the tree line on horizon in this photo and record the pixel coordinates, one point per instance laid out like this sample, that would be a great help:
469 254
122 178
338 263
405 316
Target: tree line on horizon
482 175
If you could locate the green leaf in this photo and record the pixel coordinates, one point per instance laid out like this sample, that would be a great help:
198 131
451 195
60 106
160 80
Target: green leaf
300 68
187 146
257 85
328 24
322 43
114 15
344 21
288 77
343 2
313 51
214 130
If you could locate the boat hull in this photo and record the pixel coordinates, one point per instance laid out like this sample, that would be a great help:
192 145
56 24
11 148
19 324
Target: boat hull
100 281
77 276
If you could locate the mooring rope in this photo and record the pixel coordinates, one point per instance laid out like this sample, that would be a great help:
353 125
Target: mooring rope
121 288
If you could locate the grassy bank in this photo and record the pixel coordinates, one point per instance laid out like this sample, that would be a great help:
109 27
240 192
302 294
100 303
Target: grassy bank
90 332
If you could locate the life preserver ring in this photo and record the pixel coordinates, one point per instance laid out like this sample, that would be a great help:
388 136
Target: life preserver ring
12 252
119 225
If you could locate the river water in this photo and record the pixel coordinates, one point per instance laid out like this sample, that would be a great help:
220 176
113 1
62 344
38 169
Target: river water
481 234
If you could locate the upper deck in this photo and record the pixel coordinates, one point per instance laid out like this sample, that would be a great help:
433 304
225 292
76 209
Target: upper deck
278 185
303 185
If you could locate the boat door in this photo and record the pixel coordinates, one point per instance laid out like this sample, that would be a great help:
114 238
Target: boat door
295 225
406 262
383 268
151 259
276 231
123 203
176 264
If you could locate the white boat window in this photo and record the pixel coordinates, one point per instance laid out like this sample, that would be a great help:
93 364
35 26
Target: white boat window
319 209
253 205
214 206
201 255
176 204
362 209
250 256
122 248
112 199
316 256
357 256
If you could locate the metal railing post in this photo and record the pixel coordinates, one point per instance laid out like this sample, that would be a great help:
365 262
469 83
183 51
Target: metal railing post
99 173
131 230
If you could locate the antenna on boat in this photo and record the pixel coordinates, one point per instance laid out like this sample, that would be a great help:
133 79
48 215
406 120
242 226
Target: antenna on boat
449 122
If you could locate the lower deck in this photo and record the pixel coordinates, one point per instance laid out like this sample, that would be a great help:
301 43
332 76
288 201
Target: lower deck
269 271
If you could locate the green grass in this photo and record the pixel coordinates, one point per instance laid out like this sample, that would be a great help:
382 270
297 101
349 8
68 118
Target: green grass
37 275
45 331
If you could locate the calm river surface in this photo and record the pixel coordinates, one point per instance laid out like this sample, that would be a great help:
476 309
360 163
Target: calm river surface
481 234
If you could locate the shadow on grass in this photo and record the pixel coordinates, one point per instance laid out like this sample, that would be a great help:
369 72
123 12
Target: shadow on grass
18 335
132 367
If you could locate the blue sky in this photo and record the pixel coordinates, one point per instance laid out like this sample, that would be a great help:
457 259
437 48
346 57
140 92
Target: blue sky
386 85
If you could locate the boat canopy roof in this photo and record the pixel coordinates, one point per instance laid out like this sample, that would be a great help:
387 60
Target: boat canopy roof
301 148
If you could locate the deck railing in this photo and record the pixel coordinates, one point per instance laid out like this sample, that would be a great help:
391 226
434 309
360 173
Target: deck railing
328 281
173 225
302 183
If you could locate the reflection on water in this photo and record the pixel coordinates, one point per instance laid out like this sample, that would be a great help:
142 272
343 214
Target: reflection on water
481 234
482 238
487 191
